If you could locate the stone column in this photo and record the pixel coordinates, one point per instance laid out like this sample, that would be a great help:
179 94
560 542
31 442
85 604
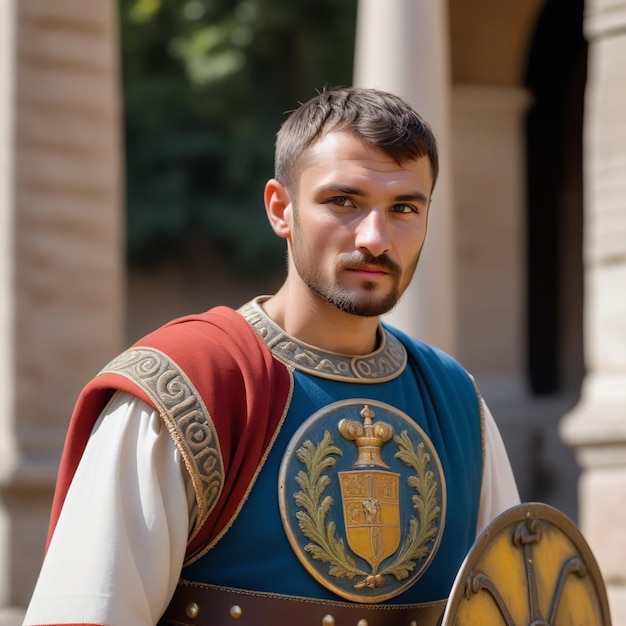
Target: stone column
61 258
489 179
490 182
402 46
597 426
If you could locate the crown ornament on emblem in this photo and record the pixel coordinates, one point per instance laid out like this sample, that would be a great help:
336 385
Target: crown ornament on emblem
369 437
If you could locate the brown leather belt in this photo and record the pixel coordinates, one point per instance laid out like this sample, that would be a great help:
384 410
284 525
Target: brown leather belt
196 604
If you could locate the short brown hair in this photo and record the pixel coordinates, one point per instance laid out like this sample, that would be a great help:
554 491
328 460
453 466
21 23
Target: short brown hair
378 118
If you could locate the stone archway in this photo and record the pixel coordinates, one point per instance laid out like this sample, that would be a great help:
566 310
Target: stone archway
555 78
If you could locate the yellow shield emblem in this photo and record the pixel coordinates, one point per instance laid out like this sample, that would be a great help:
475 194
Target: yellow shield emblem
371 513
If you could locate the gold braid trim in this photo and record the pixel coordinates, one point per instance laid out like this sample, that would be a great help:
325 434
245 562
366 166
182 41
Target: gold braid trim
385 363
186 417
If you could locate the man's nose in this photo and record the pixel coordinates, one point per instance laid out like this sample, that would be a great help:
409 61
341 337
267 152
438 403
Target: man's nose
372 233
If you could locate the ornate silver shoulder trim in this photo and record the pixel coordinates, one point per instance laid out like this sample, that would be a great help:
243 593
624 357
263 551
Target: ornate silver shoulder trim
186 416
387 362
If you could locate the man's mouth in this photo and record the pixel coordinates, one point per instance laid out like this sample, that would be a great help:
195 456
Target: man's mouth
371 265
369 270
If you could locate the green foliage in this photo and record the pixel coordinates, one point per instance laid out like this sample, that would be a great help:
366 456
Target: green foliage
206 85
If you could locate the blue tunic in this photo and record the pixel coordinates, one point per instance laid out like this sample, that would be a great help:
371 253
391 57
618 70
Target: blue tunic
434 391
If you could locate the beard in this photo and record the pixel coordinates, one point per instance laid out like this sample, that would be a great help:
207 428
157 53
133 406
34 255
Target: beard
364 302
356 304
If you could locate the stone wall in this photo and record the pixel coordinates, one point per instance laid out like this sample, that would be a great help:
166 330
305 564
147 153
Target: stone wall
596 428
61 260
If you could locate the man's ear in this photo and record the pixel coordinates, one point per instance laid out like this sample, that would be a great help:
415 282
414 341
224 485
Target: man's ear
278 207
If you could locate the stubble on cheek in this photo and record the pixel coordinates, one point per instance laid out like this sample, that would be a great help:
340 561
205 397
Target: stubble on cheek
363 299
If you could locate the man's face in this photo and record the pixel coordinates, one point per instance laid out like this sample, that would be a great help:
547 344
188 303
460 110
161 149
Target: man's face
358 224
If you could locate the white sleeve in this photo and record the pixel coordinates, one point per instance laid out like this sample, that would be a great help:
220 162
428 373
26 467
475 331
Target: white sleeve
499 489
118 547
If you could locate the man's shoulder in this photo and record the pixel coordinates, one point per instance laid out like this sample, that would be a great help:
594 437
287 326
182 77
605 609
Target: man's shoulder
441 372
209 351
214 319
417 348
219 326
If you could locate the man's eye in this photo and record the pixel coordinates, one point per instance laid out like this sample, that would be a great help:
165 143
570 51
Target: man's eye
404 208
341 201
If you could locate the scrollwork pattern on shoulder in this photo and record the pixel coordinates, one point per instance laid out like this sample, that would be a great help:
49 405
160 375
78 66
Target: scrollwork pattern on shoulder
185 415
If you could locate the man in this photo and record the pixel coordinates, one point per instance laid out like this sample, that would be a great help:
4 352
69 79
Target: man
297 460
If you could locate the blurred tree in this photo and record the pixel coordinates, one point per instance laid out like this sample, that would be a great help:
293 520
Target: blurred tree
206 84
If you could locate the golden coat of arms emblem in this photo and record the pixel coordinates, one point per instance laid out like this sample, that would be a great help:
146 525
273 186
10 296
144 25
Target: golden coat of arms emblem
362 499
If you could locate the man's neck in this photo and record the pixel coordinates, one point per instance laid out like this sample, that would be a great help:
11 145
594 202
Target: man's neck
315 322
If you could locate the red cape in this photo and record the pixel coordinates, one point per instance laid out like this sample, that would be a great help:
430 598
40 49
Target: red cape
239 381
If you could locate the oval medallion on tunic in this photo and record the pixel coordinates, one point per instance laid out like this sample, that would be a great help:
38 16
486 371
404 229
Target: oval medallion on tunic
362 499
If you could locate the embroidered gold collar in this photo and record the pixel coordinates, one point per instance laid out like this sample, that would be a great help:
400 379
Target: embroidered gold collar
385 363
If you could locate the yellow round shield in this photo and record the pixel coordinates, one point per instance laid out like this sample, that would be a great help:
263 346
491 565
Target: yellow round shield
530 567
